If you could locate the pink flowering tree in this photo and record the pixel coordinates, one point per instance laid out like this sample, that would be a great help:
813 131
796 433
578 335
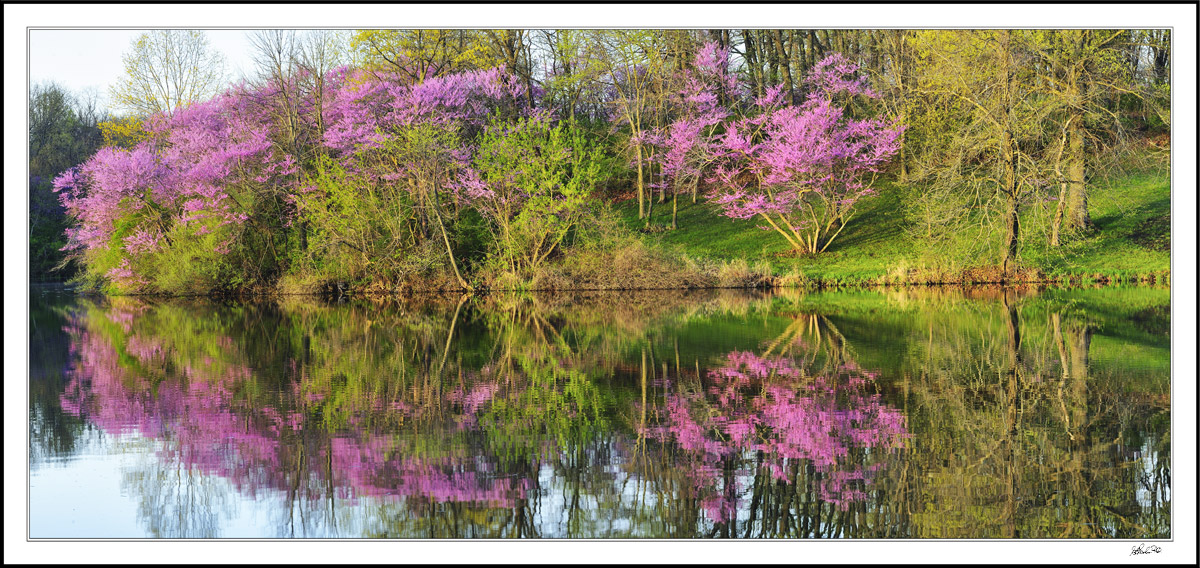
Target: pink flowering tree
394 182
274 424
139 370
798 168
683 148
111 198
210 200
164 214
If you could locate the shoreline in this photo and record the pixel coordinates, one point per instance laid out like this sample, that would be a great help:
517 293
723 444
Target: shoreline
769 283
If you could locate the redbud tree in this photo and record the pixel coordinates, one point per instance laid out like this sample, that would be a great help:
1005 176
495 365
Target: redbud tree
172 209
209 196
401 152
685 148
798 168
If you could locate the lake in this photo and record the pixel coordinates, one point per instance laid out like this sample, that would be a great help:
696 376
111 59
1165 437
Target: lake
919 413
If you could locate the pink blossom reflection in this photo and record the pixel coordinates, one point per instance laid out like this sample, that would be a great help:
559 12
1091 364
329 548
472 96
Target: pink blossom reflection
766 404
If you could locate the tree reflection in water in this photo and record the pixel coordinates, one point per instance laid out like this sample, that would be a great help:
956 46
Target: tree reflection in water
868 415
768 408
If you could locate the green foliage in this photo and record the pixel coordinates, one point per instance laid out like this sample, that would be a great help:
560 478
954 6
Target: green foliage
422 54
99 262
123 132
191 265
561 405
47 226
539 180
535 218
189 260
1010 436
62 133
347 223
384 226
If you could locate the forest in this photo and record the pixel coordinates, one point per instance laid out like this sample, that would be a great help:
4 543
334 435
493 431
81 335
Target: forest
392 161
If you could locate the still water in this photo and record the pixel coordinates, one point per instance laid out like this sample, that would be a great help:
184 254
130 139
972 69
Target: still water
945 413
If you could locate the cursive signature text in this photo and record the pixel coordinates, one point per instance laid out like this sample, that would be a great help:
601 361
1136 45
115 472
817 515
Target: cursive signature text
1143 549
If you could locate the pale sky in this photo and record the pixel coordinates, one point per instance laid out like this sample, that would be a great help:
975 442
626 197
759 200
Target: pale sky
91 59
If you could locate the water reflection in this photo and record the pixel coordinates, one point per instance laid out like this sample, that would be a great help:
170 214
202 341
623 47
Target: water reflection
913 414
826 427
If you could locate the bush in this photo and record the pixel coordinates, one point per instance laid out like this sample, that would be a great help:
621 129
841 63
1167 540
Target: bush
604 255
633 265
738 273
534 187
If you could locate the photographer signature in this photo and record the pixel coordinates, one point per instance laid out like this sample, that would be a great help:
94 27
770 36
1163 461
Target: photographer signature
1143 549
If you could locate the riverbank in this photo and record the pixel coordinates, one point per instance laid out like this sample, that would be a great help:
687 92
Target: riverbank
980 278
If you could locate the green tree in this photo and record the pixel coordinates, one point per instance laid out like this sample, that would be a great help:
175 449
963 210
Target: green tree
62 132
635 68
989 72
418 55
573 82
539 179
1080 72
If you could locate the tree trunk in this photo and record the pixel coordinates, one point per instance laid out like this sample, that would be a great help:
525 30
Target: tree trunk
1012 231
1160 47
1059 209
640 183
1079 342
902 158
814 49
662 192
1009 152
1073 341
785 63
752 66
528 71
437 215
797 60
674 209
1013 411
649 211
1077 217
768 47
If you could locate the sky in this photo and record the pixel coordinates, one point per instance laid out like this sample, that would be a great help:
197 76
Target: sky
82 60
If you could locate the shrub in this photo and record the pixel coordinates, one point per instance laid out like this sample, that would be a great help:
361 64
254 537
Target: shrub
738 273
533 182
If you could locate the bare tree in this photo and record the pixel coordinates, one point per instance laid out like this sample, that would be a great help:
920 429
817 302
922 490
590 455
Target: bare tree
165 69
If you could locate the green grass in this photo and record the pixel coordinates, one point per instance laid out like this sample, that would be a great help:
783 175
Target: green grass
1132 217
866 249
1131 238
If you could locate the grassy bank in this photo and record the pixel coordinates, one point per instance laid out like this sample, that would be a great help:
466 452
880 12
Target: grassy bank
1130 241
